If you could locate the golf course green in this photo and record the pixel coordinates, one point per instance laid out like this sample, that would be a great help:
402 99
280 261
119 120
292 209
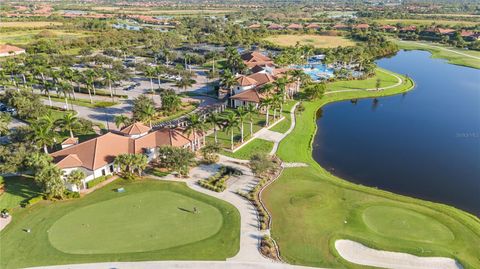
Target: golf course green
135 223
151 220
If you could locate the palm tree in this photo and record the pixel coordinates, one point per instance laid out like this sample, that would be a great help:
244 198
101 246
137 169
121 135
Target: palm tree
66 88
147 114
276 103
216 121
184 83
280 84
91 77
195 125
89 80
76 178
231 122
110 79
266 103
242 115
43 135
298 76
121 120
150 74
69 122
5 120
251 111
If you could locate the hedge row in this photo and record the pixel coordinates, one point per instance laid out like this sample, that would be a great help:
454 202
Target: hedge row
93 183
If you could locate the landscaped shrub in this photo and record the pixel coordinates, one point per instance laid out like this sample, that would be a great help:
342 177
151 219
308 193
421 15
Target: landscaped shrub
71 194
32 201
218 181
96 181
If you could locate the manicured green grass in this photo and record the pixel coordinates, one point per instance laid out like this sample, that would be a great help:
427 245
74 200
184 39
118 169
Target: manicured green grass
17 189
427 22
311 208
316 41
82 102
151 220
284 125
438 51
386 79
224 138
255 146
23 37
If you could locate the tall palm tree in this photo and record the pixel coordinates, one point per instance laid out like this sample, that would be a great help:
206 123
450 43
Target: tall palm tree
69 122
184 83
276 103
121 120
231 122
251 111
216 121
109 77
195 125
91 77
90 82
241 115
43 135
66 88
46 90
147 114
266 103
150 74
281 84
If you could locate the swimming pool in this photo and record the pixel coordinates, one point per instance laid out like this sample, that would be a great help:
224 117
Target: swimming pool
316 71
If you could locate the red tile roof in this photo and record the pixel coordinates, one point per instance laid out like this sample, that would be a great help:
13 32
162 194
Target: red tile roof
248 95
313 26
362 26
135 129
262 78
70 141
295 26
9 48
275 26
246 81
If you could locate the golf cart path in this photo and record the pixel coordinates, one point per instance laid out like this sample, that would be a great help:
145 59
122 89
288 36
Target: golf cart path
250 233
399 82
292 126
357 253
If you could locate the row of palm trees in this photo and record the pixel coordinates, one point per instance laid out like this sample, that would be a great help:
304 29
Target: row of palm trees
29 72
43 131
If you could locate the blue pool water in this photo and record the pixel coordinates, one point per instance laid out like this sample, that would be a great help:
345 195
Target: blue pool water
316 71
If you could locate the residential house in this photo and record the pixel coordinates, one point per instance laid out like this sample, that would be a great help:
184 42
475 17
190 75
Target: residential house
247 89
255 26
469 35
408 29
388 28
362 26
341 26
295 26
314 26
9 50
275 26
95 157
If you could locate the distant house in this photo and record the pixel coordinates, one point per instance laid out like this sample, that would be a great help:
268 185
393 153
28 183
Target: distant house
313 26
362 26
275 26
9 50
247 88
388 28
469 35
407 29
255 26
341 26
295 26
445 31
95 157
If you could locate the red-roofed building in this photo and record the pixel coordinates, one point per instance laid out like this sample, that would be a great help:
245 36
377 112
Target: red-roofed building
275 26
362 26
313 26
388 28
255 26
9 50
406 29
341 26
295 26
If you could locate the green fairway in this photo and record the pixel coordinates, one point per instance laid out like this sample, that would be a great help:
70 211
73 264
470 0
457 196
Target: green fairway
151 220
394 222
135 223
311 208
386 79
255 146
469 58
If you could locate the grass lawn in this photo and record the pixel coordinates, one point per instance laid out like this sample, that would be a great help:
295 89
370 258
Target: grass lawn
152 220
255 146
312 208
439 51
184 109
29 24
386 79
284 125
22 37
17 189
82 102
224 138
426 22
317 41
